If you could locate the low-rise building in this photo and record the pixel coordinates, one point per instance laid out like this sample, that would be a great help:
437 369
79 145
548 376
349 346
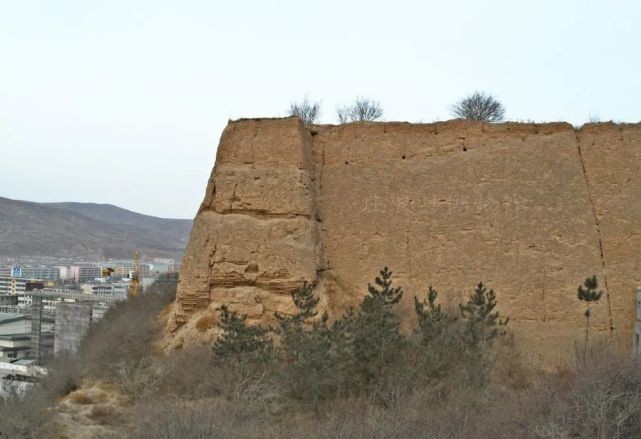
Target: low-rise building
40 272
14 347
53 296
19 285
65 272
84 273
117 289
13 323
160 265
8 300
13 285
127 268
15 332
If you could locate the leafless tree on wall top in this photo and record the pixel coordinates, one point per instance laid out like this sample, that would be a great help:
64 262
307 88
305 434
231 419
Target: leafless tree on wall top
479 106
363 109
308 111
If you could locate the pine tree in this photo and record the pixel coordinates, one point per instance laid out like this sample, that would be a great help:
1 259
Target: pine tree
306 301
240 342
305 348
482 323
588 293
436 334
381 295
433 322
367 341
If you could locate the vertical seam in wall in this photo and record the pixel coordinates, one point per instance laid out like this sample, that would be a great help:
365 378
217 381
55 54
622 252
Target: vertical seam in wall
598 229
319 205
315 181
407 254
320 175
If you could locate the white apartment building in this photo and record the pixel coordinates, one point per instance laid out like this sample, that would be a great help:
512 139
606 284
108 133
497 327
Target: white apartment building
117 289
13 285
84 273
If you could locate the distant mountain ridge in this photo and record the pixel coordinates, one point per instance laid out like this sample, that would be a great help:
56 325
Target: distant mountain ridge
87 231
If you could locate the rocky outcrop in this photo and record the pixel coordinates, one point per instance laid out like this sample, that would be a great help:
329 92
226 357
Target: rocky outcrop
530 209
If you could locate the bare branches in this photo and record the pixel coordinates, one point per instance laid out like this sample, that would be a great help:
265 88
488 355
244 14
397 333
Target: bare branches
344 114
479 106
308 111
363 109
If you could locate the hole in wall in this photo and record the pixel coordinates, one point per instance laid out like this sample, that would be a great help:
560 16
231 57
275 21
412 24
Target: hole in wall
403 156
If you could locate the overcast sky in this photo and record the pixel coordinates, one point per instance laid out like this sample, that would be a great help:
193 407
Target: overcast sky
123 102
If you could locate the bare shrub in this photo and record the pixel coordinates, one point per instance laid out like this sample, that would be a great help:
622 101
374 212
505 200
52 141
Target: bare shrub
175 419
308 111
138 379
601 399
104 414
80 397
420 391
24 415
479 106
126 333
363 109
27 413
63 377
123 336
191 374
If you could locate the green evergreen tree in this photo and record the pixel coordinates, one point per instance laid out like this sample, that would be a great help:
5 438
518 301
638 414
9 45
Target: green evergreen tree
305 348
436 334
240 342
588 293
482 325
367 342
306 302
482 322
382 294
433 322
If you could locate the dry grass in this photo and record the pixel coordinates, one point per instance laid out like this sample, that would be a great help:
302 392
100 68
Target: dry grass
109 343
104 414
80 397
599 399
189 395
206 323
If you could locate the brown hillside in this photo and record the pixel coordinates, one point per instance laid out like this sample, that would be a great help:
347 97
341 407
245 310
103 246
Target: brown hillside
86 231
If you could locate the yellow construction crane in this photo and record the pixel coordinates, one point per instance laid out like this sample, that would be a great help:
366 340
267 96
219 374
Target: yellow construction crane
135 277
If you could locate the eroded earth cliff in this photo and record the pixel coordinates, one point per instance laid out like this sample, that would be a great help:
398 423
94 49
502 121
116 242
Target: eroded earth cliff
530 209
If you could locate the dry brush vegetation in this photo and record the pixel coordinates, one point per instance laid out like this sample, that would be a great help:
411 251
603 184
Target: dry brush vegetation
458 375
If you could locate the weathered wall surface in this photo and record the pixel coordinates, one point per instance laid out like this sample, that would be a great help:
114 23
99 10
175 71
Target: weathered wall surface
257 236
612 159
529 209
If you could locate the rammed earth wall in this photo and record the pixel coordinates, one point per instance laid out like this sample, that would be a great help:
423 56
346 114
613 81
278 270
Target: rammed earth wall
530 209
